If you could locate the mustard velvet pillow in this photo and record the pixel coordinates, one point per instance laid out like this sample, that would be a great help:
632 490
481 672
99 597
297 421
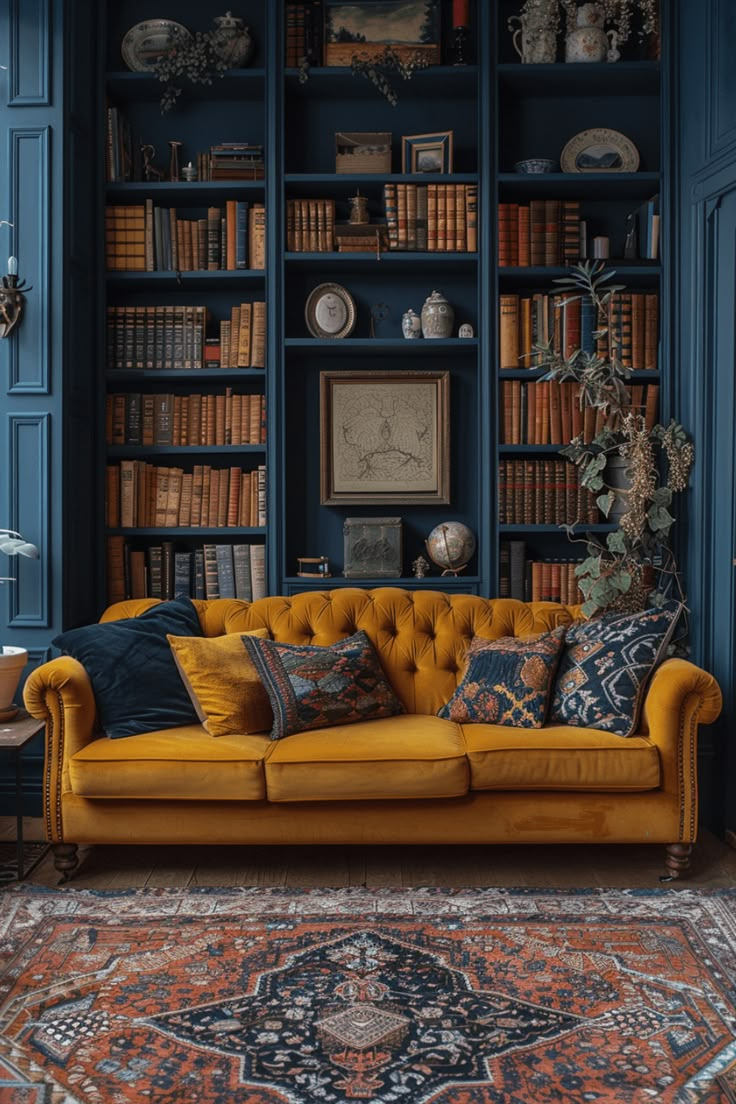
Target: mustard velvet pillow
225 688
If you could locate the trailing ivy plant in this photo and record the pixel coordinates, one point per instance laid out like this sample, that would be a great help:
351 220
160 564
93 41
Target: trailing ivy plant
376 69
196 61
634 566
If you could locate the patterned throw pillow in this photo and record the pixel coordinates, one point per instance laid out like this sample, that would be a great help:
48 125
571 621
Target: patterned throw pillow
507 681
605 668
315 687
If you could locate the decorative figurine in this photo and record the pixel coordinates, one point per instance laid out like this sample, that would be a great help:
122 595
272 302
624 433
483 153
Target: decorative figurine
411 324
466 330
630 243
150 172
189 173
358 210
420 567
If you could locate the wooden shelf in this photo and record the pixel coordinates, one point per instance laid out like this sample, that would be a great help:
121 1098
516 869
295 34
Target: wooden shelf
188 531
596 186
201 378
368 346
115 451
621 78
193 280
457 82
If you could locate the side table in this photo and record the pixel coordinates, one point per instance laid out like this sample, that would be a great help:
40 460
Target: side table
14 735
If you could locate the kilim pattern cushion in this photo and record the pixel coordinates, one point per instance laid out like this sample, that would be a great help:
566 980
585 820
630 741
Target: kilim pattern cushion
507 681
314 687
605 667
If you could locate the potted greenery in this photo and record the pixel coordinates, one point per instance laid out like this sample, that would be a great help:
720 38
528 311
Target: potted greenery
634 567
12 660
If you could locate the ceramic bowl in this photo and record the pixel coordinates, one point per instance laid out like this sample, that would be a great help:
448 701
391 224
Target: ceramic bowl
536 165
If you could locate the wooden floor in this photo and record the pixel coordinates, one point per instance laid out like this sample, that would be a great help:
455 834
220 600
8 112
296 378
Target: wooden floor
638 866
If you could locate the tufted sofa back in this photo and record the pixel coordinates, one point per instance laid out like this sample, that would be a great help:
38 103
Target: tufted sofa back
421 636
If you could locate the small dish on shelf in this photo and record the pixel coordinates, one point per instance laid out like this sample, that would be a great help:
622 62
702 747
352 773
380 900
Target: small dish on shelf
146 43
536 165
600 150
330 311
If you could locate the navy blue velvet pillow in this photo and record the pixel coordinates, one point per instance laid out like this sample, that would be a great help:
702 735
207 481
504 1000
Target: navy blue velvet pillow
130 664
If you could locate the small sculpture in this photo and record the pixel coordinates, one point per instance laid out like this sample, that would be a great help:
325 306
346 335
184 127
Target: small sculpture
358 210
150 172
466 330
174 147
420 567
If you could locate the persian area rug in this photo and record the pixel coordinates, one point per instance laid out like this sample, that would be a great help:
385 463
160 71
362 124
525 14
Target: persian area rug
32 854
268 996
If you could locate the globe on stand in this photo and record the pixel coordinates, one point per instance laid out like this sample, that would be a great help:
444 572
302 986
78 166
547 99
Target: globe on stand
450 546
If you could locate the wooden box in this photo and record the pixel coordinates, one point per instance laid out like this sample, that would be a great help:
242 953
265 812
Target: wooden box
363 152
373 548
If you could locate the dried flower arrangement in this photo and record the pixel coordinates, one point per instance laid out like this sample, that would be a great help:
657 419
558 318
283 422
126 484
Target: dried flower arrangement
635 566
619 16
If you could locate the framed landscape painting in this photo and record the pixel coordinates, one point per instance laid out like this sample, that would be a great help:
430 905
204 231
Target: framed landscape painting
410 27
385 437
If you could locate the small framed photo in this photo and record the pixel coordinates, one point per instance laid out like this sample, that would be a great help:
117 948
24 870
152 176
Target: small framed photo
385 437
427 153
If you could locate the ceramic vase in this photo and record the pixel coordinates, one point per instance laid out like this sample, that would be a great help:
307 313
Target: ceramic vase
535 39
232 40
438 317
411 324
589 41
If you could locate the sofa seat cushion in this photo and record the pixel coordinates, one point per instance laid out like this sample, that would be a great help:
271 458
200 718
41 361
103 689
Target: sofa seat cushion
559 757
183 763
407 756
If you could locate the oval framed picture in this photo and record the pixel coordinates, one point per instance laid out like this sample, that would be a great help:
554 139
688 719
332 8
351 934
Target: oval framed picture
599 150
330 311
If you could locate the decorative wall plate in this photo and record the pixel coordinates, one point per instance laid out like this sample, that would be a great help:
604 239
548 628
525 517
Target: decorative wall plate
330 311
146 43
599 150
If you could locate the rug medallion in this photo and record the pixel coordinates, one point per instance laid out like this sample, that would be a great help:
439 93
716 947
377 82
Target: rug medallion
297 997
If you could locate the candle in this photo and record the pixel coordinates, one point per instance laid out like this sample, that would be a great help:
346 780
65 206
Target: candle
12 266
460 13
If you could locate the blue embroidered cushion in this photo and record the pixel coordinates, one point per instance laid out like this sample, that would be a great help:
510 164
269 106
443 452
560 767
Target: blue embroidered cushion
605 667
507 681
314 687
134 678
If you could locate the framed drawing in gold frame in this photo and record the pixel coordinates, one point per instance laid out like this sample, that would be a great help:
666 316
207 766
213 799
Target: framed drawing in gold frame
384 437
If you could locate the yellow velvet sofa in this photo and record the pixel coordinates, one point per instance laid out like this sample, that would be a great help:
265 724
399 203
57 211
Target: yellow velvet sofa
412 778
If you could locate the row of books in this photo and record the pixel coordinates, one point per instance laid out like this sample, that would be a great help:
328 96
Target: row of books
630 331
543 492
303 33
223 418
552 232
232 161
434 217
310 225
142 237
536 580
549 412
166 571
142 495
171 337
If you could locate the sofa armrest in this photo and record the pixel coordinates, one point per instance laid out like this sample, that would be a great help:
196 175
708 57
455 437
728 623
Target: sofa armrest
60 693
680 697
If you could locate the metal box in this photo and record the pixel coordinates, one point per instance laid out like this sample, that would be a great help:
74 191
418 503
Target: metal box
372 548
